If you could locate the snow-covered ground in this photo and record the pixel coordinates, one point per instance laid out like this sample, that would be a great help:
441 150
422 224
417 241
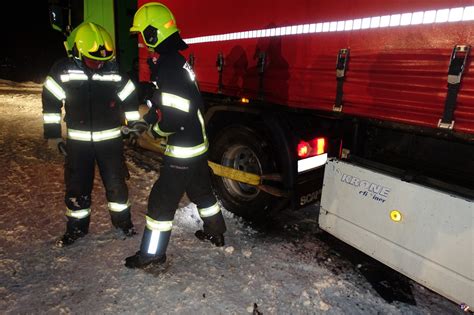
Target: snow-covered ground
288 271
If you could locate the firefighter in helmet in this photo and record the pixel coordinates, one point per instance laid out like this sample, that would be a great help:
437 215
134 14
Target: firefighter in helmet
176 113
97 99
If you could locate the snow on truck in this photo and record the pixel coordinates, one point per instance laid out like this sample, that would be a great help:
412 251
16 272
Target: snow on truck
371 103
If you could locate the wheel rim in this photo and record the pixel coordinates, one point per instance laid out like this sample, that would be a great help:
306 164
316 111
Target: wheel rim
243 158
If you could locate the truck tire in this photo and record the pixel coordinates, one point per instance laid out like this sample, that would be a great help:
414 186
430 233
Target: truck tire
242 148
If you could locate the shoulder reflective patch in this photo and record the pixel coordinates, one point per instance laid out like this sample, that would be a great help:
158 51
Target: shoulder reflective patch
188 68
118 207
127 90
55 89
210 211
155 225
52 118
175 101
78 214
133 115
74 76
107 77
75 71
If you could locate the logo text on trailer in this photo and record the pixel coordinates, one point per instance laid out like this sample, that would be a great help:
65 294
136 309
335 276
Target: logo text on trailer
368 189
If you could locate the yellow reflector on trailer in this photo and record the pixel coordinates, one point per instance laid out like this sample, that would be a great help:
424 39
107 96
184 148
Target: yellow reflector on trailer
395 215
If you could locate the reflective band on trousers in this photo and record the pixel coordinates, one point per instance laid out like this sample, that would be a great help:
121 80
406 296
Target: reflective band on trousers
175 101
78 214
186 152
154 241
55 88
107 77
127 90
158 225
135 115
51 118
210 211
118 207
95 136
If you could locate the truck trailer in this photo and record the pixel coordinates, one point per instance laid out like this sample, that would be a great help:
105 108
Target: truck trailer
367 107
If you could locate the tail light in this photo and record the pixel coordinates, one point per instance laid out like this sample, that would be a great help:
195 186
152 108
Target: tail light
311 154
303 149
316 146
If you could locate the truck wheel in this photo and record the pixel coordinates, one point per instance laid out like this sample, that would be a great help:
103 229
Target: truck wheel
241 148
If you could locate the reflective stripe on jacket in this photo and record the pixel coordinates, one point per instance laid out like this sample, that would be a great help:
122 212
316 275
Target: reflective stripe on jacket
180 104
93 101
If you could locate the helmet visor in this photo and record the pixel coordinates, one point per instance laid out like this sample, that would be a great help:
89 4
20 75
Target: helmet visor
102 53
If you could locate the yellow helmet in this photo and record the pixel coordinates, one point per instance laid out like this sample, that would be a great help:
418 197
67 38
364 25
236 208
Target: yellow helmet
155 22
92 41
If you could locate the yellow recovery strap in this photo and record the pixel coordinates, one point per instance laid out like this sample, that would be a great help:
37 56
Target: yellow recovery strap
147 141
232 173
248 178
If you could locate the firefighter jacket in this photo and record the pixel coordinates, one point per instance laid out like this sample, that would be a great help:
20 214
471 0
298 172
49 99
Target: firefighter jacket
96 102
180 105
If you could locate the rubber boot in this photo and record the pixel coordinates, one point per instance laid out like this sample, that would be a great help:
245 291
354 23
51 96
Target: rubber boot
216 240
141 260
152 250
123 221
75 229
213 229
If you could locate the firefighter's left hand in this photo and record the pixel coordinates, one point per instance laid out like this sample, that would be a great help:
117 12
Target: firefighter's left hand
56 144
153 116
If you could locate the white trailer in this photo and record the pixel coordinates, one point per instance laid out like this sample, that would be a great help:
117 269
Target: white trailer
425 234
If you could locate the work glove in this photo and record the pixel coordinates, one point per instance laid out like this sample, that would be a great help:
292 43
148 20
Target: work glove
57 144
154 114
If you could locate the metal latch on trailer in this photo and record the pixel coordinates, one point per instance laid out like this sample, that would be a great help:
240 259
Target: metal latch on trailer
220 68
456 69
341 66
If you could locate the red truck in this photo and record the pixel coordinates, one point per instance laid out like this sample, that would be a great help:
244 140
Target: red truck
384 89
371 103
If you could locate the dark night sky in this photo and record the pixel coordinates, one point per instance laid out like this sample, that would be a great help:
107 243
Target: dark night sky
29 45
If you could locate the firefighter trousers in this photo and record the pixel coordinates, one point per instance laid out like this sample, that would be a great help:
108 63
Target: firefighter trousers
177 178
79 172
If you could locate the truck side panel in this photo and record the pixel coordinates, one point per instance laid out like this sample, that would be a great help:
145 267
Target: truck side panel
396 72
